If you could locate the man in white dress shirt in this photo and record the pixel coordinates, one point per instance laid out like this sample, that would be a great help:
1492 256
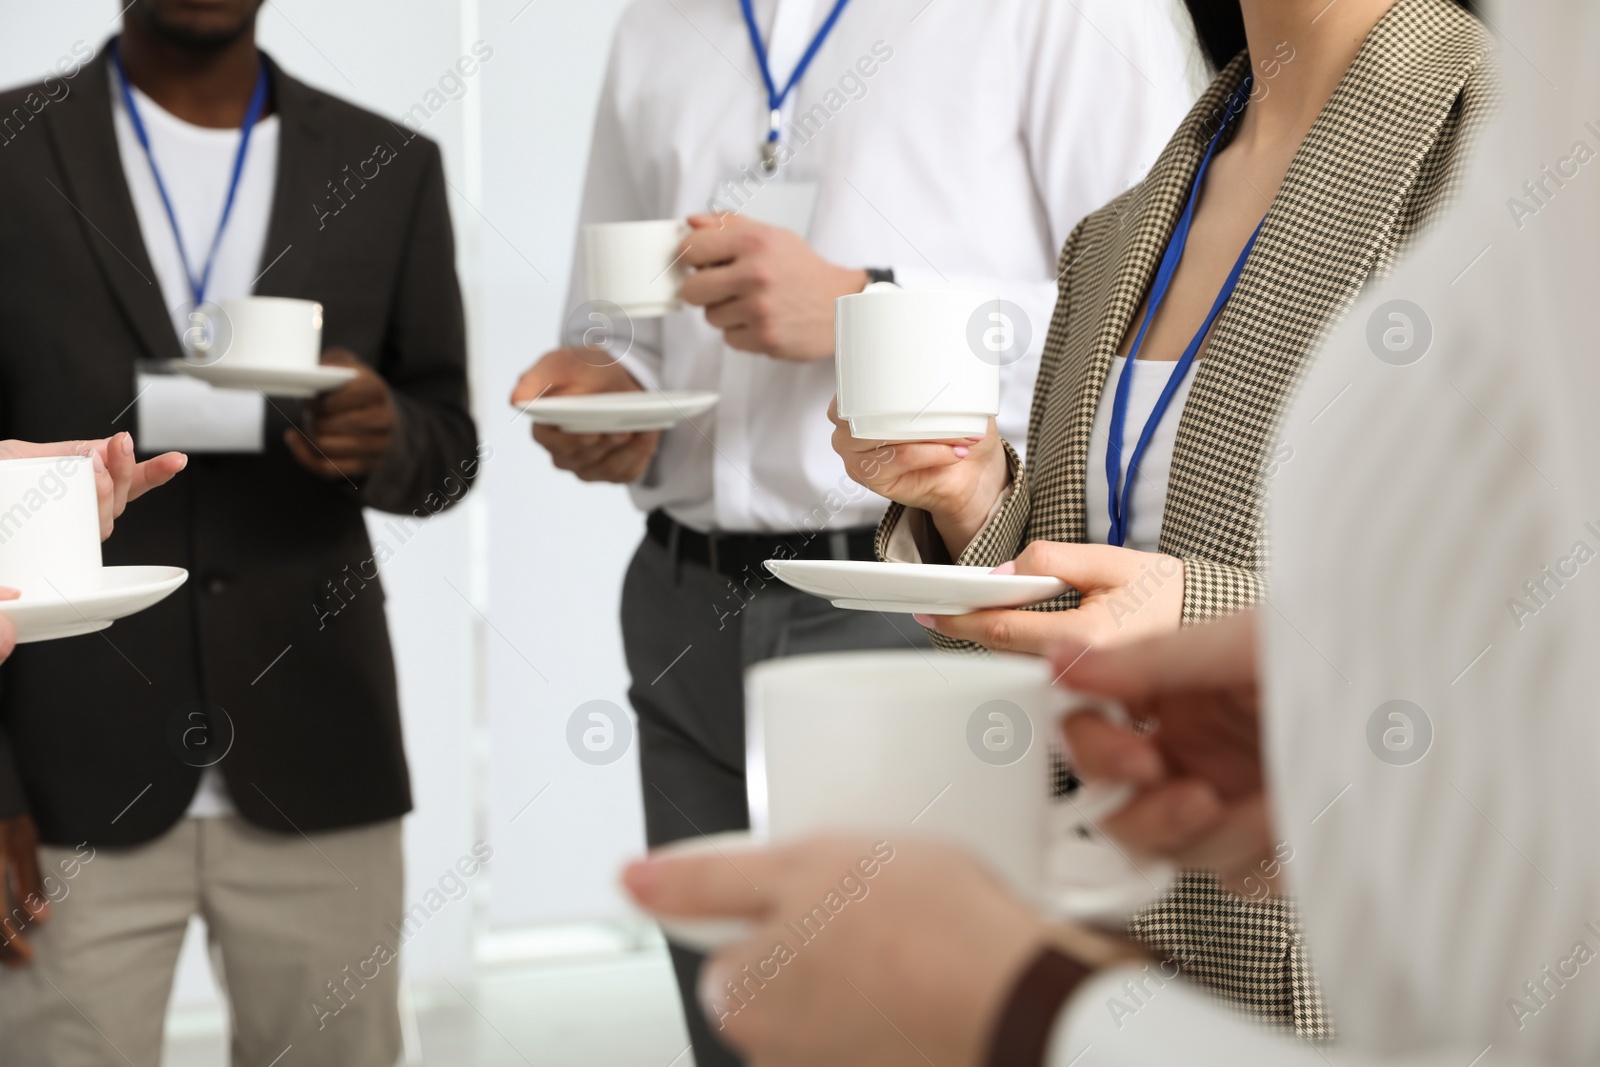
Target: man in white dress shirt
938 145
1428 674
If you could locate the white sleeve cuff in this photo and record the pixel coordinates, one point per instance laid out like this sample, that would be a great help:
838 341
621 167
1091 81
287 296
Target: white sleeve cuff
902 546
1134 1016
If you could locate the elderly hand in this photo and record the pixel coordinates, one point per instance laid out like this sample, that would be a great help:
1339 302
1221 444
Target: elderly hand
593 457
352 427
918 949
1126 594
1198 769
764 287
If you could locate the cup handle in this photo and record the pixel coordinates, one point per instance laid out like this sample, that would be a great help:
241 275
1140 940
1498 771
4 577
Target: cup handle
1077 703
1088 877
1093 803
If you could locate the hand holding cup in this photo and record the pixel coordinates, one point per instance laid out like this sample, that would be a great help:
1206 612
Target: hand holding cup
118 477
1197 770
957 482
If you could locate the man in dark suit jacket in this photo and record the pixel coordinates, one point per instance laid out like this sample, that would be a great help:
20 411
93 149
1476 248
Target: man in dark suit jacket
273 665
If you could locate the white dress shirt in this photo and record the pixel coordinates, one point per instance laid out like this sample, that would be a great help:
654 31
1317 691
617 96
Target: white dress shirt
1436 540
983 134
196 165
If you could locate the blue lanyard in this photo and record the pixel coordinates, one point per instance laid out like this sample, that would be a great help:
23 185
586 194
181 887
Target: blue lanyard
258 104
776 97
1120 496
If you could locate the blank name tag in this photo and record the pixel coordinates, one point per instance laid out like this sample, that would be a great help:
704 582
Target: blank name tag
186 415
784 204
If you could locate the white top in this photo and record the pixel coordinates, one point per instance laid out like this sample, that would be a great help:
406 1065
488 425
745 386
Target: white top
196 164
1434 540
981 137
1155 468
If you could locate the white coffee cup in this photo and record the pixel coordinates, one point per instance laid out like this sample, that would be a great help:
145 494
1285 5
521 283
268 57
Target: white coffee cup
907 367
636 265
907 744
272 333
49 525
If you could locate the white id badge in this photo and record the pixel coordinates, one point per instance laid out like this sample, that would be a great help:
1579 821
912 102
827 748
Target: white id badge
183 414
789 205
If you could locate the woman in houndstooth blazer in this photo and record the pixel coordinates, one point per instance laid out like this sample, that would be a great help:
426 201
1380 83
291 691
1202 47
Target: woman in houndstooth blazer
1378 162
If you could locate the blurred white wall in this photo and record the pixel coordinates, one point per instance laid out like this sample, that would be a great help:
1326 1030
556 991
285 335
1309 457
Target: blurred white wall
557 548
503 611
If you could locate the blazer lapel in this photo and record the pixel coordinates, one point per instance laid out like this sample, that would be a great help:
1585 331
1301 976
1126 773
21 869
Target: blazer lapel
91 169
305 167
1340 215
1148 220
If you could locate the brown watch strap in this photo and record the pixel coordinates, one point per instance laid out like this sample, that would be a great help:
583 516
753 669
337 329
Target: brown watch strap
1022 1035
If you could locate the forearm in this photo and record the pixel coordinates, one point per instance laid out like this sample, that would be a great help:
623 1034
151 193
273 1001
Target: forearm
424 363
998 533
1212 589
431 463
958 529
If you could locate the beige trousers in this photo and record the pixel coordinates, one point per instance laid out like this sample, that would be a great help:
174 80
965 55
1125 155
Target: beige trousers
298 932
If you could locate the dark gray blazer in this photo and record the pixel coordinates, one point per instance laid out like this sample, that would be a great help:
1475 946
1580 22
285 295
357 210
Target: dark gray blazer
92 728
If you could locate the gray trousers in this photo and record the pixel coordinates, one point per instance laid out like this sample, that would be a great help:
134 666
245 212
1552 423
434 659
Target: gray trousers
689 636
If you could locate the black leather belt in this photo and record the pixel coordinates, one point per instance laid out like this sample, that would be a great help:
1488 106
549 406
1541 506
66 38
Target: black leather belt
740 555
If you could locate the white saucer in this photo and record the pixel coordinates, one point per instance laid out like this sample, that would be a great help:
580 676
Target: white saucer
915 588
707 935
82 606
619 412
302 384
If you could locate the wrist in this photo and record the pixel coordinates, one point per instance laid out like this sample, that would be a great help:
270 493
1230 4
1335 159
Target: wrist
1021 1033
959 526
1069 956
600 370
853 281
1095 948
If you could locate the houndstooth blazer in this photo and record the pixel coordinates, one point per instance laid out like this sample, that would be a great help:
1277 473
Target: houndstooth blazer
1381 162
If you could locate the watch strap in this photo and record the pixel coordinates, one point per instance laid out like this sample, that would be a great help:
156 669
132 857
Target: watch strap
1022 1034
